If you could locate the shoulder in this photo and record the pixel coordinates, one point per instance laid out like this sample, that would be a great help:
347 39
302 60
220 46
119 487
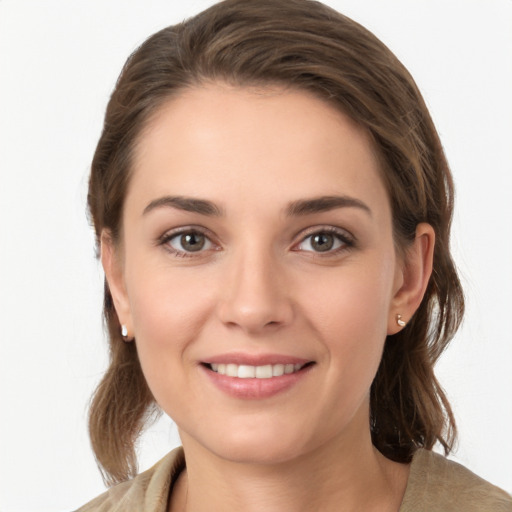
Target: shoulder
438 484
148 491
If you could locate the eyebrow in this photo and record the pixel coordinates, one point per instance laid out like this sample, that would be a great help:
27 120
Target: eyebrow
324 204
188 204
294 209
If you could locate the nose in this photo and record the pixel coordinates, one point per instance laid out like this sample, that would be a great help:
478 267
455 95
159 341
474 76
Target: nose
255 297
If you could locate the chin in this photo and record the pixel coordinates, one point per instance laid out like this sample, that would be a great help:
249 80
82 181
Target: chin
257 445
259 452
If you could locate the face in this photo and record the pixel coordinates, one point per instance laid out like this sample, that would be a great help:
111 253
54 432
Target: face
257 271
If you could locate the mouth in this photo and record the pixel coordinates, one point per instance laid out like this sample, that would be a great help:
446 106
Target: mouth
255 377
267 371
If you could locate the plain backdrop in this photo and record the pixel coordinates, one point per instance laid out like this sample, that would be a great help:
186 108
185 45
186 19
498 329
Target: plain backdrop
58 63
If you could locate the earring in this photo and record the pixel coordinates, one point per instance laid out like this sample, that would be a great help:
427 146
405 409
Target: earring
124 334
399 321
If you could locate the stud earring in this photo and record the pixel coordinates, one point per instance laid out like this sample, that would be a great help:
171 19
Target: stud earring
124 334
399 321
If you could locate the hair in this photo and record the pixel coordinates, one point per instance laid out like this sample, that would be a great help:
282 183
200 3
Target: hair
306 46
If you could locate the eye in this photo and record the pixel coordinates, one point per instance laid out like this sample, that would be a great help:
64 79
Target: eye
324 241
187 242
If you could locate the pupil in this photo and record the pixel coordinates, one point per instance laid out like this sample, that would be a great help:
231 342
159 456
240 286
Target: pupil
192 241
322 242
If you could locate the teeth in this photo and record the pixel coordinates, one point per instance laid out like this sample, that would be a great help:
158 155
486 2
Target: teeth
244 371
232 370
289 368
277 370
264 372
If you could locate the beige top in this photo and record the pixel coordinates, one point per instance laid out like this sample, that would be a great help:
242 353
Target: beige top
435 485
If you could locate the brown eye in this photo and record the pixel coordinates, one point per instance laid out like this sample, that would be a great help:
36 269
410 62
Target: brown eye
322 242
325 242
189 242
192 242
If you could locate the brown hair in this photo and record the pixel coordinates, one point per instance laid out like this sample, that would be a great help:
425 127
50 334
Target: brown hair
305 45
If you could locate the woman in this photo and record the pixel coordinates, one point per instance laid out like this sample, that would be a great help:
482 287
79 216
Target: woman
273 205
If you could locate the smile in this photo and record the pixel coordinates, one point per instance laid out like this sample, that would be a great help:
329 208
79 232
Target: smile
267 371
255 377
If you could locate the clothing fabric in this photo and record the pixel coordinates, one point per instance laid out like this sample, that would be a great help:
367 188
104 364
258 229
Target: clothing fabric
435 484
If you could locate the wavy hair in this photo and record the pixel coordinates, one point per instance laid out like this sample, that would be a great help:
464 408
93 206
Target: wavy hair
304 45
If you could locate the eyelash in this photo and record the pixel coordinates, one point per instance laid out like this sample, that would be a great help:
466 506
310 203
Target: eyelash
189 230
347 241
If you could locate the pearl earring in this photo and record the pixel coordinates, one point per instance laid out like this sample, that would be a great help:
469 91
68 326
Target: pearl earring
124 331
399 321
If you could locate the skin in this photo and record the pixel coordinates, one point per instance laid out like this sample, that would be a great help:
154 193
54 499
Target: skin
259 286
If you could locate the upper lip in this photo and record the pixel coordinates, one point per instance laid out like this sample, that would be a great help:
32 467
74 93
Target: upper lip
255 359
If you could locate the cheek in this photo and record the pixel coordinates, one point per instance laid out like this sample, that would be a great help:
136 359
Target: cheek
352 300
167 303
168 312
349 311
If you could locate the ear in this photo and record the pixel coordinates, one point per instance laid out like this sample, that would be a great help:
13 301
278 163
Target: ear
412 277
111 259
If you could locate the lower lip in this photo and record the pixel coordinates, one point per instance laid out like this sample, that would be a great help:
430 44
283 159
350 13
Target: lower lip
255 389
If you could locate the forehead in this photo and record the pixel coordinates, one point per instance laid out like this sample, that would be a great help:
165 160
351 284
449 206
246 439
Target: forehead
217 139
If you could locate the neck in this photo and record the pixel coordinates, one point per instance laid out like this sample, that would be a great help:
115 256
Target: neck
338 476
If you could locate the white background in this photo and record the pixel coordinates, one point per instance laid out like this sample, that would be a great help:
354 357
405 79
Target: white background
58 63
